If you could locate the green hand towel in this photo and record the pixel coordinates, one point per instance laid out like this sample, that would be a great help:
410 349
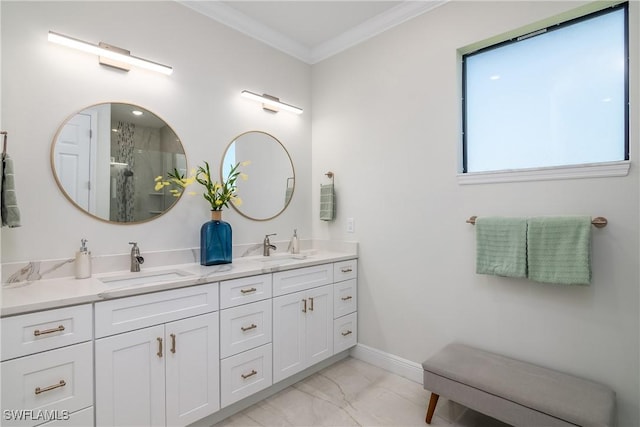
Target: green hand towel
559 250
327 202
9 203
501 246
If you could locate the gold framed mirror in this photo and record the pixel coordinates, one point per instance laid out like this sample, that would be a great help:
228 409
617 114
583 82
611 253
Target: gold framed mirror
105 159
271 176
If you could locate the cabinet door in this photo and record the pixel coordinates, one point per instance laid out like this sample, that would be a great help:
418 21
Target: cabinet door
130 378
192 369
319 324
288 335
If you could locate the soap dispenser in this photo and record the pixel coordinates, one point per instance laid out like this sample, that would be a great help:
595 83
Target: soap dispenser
83 261
295 244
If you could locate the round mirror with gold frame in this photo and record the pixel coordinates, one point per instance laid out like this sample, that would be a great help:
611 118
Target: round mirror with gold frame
271 177
106 157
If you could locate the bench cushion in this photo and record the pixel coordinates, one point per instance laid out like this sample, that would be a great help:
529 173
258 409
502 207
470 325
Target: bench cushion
569 398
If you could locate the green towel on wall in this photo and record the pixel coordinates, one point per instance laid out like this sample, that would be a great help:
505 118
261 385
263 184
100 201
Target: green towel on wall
501 246
327 202
559 250
9 203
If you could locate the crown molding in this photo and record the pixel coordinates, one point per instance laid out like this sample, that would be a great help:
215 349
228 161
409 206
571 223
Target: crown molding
372 27
231 17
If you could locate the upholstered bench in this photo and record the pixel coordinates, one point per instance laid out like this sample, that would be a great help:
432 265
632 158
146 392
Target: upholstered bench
515 392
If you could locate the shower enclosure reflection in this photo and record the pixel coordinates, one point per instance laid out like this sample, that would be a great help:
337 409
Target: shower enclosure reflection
105 159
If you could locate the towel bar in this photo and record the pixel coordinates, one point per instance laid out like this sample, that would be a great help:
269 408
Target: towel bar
598 222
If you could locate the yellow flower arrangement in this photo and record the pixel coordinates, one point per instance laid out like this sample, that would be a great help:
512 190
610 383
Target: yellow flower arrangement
217 194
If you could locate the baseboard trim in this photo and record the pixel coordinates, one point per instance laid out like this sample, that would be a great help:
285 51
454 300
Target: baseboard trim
405 368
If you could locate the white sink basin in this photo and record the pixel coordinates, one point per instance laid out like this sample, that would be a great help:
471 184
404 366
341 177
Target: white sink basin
133 279
280 259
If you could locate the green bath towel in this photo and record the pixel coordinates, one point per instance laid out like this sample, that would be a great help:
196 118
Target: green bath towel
559 250
501 246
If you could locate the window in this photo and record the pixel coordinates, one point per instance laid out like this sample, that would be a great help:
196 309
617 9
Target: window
554 97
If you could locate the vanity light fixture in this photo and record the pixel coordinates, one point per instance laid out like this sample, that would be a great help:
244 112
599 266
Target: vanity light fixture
271 103
109 55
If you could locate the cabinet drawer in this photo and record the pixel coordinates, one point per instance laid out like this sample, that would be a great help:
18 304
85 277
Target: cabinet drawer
285 282
245 374
82 418
45 330
245 290
345 297
345 332
245 327
56 380
126 314
345 270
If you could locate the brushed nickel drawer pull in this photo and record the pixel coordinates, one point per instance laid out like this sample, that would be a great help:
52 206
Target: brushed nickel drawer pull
250 374
248 328
304 310
311 306
51 387
173 343
159 353
344 334
347 298
247 291
346 270
38 332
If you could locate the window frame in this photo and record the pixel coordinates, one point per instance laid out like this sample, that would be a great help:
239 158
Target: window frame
605 168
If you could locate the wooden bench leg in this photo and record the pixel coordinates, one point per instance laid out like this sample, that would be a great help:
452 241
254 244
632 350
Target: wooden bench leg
432 407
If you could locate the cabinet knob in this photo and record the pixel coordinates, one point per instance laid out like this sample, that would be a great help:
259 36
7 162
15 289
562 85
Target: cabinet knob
347 298
39 390
311 304
173 343
250 374
304 302
348 332
346 270
38 332
159 353
247 291
248 328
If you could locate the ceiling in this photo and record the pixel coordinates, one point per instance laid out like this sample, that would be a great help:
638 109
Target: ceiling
311 30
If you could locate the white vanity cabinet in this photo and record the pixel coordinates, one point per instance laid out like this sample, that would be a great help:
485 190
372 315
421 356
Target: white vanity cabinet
245 337
157 358
345 305
302 320
47 367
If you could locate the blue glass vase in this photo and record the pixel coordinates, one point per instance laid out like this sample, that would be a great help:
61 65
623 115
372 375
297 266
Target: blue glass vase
215 241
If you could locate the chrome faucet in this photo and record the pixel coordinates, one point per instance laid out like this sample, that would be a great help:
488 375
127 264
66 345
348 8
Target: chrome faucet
267 246
136 259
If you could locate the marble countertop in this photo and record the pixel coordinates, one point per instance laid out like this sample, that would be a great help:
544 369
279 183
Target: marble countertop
28 296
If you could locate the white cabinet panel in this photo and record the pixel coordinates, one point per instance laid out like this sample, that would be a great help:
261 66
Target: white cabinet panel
130 380
345 270
302 330
126 314
55 380
245 373
285 282
45 330
345 297
288 335
319 324
191 369
245 290
245 327
345 332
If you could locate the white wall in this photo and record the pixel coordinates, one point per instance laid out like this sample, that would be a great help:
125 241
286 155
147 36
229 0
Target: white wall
386 120
44 83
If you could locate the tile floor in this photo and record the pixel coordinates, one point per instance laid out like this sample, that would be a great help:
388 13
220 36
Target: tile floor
355 393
